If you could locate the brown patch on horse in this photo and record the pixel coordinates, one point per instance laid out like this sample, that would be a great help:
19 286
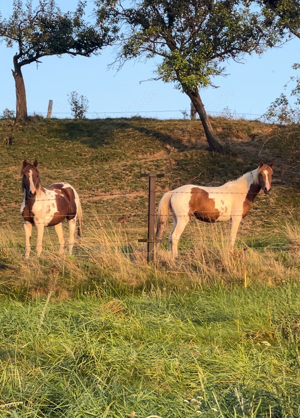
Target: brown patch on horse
65 202
27 211
202 207
251 195
62 210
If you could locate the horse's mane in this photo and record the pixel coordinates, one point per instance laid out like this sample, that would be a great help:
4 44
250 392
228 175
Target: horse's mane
249 175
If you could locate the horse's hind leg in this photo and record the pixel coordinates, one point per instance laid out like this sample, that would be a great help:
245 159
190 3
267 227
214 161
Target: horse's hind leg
175 235
61 239
171 233
72 228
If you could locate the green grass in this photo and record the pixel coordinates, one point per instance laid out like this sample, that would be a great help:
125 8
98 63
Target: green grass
215 352
102 333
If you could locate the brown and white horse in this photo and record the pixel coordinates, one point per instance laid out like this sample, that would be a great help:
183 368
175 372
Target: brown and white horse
232 201
48 207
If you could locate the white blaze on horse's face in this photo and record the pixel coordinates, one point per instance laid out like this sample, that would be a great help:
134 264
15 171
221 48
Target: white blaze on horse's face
31 184
267 183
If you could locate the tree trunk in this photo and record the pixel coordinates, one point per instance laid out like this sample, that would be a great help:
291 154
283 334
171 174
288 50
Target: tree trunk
21 103
213 142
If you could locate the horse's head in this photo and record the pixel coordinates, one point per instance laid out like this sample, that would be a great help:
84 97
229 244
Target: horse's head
264 174
30 178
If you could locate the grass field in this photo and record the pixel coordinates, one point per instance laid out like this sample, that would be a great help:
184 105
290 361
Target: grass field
102 333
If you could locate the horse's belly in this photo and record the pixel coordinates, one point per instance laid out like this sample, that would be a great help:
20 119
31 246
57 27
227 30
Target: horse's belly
224 217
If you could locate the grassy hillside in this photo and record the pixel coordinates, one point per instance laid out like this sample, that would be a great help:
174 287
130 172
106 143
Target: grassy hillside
104 334
103 160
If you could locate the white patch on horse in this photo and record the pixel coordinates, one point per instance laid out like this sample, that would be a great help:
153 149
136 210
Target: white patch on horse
45 206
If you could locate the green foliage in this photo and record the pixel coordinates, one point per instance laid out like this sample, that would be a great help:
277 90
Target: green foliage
79 105
45 31
192 38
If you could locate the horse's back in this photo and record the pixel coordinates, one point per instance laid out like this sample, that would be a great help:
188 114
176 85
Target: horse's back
209 204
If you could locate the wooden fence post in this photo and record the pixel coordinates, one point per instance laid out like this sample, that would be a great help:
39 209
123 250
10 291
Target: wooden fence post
49 113
151 215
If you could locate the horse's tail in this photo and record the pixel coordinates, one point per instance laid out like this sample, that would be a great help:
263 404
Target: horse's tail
78 216
162 216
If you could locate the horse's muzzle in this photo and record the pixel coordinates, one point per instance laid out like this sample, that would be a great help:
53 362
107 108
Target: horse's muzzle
31 195
266 191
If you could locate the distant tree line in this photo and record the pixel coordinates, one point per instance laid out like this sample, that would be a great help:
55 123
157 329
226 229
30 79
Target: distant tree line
192 38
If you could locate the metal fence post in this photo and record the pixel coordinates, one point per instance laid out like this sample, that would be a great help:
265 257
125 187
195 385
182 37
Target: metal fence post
151 215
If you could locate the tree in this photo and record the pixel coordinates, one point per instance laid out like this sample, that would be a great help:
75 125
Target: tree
192 38
47 31
282 110
79 105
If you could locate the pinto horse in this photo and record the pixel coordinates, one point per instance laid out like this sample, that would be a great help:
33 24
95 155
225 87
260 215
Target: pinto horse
233 201
48 207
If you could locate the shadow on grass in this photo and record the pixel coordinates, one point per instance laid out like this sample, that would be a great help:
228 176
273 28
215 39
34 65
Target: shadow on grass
97 133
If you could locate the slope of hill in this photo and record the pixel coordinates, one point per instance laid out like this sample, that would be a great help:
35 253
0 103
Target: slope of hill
103 160
102 333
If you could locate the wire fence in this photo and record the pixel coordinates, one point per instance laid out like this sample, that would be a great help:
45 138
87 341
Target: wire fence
176 114
108 222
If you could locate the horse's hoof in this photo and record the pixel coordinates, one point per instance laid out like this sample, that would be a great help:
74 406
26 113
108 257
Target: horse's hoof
236 254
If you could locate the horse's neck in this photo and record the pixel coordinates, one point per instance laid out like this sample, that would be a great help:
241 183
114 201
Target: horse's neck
40 193
253 187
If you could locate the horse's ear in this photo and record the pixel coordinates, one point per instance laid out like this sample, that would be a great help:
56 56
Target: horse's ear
271 164
35 163
24 164
261 164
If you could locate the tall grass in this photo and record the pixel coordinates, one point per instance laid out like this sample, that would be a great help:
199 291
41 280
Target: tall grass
215 353
108 259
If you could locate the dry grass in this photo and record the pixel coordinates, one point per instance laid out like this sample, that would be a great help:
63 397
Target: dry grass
107 260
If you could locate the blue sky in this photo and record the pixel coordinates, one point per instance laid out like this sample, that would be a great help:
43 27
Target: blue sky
248 89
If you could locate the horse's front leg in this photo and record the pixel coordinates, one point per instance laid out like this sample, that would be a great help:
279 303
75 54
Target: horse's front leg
40 232
236 220
28 230
60 234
